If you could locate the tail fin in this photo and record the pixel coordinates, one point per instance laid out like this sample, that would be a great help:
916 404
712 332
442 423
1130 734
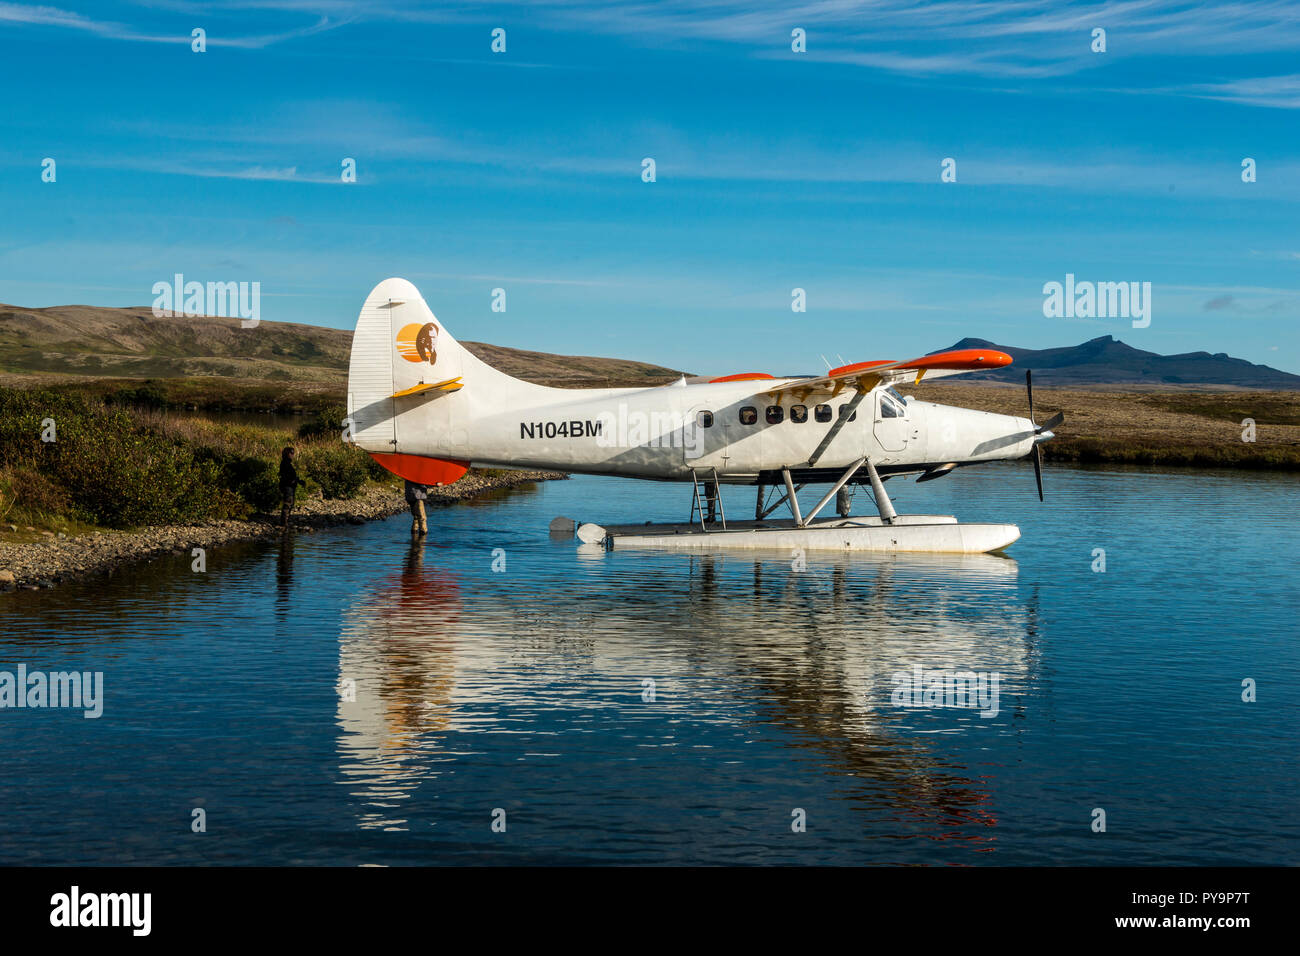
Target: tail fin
413 390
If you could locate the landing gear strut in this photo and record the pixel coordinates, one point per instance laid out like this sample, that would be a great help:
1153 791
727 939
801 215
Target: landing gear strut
839 491
883 504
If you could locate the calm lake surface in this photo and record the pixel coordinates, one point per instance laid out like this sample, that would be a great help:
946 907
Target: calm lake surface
525 690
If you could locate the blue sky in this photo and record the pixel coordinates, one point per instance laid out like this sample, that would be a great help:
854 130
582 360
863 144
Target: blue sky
775 170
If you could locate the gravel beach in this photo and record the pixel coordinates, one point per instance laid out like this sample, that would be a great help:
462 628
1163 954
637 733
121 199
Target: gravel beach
55 558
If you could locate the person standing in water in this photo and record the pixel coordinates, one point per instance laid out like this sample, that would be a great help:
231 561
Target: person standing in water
289 483
415 496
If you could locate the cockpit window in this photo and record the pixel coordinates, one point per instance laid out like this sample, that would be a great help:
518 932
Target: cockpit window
889 409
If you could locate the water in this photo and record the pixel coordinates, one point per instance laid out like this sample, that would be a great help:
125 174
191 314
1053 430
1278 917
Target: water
522 690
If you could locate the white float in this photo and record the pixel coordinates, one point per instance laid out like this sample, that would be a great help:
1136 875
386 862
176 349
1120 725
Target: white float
937 534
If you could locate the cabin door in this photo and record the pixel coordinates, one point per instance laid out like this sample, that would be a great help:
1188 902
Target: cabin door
706 440
892 425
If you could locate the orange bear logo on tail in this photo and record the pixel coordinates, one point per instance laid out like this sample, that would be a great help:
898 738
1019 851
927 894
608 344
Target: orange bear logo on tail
418 343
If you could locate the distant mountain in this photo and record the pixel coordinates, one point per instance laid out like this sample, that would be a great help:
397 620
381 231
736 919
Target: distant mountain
1107 361
134 343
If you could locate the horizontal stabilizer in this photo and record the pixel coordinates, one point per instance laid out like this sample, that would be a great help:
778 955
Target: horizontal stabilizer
450 385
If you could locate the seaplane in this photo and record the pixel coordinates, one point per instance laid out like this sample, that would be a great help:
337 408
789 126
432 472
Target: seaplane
427 409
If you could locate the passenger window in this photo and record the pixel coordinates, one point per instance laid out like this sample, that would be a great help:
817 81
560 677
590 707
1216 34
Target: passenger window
799 413
748 415
844 410
775 414
705 419
822 413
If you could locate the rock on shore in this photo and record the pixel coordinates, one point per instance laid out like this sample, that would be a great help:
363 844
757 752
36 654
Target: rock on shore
57 558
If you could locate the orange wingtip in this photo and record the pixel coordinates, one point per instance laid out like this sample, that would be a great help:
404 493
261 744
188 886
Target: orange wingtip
961 359
964 359
421 470
741 377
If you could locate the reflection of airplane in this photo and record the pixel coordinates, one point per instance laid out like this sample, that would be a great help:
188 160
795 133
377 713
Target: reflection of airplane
396 672
426 408
813 653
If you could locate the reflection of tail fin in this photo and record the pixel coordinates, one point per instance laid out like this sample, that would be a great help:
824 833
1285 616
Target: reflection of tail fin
413 390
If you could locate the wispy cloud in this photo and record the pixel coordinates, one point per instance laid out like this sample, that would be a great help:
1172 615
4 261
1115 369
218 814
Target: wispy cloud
217 170
1014 39
403 146
1230 303
997 39
1008 41
43 16
1282 92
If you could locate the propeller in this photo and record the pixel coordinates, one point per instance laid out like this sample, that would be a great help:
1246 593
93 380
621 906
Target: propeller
1047 426
1038 469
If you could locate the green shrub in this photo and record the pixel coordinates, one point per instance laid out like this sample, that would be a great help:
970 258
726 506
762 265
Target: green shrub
119 466
146 394
340 470
27 495
121 476
253 480
113 470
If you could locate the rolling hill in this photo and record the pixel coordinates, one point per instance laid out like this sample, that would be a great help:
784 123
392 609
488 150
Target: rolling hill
83 340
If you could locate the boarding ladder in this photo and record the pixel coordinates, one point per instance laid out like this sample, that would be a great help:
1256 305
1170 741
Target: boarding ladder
709 503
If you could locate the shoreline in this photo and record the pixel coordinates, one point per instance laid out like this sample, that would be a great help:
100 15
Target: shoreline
59 558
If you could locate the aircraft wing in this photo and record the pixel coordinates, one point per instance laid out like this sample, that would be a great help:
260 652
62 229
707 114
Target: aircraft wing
864 376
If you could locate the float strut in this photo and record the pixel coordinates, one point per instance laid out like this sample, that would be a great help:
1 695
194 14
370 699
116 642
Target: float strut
764 512
844 478
886 507
790 496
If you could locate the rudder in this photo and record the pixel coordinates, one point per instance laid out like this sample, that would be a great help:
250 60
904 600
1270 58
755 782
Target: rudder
400 350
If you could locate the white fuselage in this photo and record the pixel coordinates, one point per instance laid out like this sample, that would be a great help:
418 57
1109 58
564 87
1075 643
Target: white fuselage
660 433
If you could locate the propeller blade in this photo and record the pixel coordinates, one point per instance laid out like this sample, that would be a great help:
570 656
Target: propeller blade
1038 470
1029 388
1050 424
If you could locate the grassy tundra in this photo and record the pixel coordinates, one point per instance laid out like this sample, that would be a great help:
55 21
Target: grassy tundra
1201 427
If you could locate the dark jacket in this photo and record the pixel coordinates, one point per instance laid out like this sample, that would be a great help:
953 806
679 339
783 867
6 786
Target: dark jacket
415 492
288 475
